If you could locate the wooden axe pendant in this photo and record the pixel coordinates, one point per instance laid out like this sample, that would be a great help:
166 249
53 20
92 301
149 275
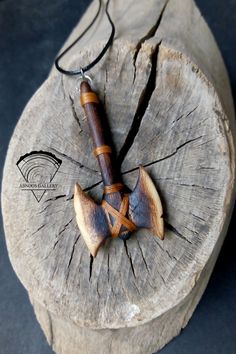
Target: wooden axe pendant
119 214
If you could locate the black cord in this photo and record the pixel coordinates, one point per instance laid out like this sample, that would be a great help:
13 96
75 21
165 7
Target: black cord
80 71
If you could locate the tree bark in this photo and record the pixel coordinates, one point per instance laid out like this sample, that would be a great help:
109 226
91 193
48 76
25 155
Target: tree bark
168 102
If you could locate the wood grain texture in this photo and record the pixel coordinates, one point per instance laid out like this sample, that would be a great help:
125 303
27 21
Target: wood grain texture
167 97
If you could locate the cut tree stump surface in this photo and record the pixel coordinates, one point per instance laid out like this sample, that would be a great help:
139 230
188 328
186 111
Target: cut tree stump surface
168 102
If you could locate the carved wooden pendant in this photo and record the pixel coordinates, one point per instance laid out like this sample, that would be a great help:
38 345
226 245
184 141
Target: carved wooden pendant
119 214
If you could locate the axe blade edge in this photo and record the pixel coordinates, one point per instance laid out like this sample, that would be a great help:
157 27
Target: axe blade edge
145 207
91 220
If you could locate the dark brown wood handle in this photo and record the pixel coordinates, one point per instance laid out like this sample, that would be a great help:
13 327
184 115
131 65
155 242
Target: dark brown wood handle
98 129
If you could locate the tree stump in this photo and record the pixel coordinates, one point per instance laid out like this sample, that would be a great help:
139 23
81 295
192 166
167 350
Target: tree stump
168 102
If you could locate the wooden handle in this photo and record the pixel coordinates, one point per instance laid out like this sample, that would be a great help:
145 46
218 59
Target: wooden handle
97 125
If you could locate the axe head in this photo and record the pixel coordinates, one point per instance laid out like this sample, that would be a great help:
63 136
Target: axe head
145 208
91 220
145 211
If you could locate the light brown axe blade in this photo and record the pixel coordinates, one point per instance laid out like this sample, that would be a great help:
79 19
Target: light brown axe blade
91 220
145 208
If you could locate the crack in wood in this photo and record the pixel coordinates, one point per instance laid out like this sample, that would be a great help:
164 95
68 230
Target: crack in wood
193 110
64 228
92 186
151 33
136 287
157 271
55 243
144 260
91 267
165 250
147 91
74 112
141 109
55 198
163 158
161 276
175 181
170 127
208 141
173 153
66 225
207 168
38 229
129 257
150 284
185 115
176 232
86 189
41 211
71 196
196 186
77 163
146 266
108 267
197 217
193 231
97 290
71 257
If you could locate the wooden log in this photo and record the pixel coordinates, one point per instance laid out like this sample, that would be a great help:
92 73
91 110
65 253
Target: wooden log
169 105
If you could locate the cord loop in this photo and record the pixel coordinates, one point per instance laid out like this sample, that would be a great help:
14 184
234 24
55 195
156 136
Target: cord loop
80 71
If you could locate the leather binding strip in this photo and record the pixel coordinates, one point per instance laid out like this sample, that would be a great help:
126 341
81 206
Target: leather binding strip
88 97
103 149
120 217
113 188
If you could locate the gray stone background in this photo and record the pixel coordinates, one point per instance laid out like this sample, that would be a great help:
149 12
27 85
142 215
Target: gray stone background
31 33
